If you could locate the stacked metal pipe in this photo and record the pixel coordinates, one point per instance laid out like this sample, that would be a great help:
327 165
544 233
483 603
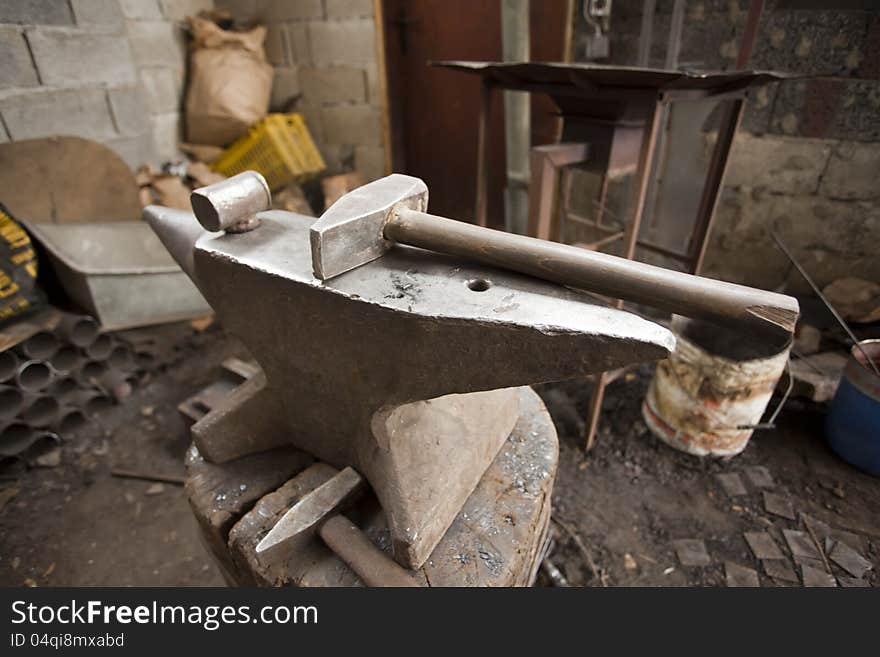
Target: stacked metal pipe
56 381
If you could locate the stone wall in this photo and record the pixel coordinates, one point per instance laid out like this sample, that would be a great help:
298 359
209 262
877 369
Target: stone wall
109 70
325 53
807 157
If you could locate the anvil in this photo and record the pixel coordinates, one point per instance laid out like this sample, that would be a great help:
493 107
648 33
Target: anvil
405 368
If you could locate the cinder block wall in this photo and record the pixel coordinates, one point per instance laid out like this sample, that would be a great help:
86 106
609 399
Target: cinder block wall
807 158
324 51
109 70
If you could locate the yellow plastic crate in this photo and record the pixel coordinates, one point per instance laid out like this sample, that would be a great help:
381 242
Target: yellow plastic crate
278 146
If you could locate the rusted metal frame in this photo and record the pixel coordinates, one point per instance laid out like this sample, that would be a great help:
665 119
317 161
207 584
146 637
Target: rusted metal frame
481 208
731 118
545 164
598 244
631 233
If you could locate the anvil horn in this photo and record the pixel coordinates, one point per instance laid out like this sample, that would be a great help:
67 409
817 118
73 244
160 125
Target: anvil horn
178 230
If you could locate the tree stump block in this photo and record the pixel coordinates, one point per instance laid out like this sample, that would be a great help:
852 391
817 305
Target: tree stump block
497 539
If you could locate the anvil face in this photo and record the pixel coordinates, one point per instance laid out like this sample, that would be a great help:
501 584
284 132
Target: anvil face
369 369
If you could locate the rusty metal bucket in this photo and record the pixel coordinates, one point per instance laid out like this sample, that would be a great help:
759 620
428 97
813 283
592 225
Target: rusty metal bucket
707 397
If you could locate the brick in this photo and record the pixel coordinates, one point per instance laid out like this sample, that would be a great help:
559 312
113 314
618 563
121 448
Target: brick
35 12
130 110
784 165
276 46
104 14
343 42
852 172
285 10
135 150
285 88
65 57
16 68
166 135
370 161
324 86
163 89
349 9
156 44
141 9
352 124
298 43
77 112
178 10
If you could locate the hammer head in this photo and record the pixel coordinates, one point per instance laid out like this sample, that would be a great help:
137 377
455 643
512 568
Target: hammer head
315 507
350 233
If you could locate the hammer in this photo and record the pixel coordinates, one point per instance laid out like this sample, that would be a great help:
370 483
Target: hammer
318 512
363 224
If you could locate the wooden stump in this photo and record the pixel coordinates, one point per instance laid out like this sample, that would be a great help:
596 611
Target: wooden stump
496 540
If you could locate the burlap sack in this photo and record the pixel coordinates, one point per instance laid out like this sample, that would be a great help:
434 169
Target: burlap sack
230 82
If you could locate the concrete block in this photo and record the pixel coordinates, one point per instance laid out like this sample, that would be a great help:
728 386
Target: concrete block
143 10
370 161
156 43
831 238
339 158
343 42
852 172
77 112
178 10
784 165
130 110
276 45
99 14
349 9
298 43
244 11
325 86
352 124
135 150
285 89
64 57
166 135
16 67
285 10
314 122
35 12
374 90
163 88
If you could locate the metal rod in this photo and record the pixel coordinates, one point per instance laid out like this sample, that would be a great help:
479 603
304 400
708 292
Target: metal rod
80 330
616 277
803 272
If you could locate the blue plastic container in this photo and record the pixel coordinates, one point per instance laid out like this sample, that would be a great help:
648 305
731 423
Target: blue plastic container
853 424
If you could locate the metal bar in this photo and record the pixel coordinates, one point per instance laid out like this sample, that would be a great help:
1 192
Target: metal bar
646 33
812 283
617 277
730 120
545 164
482 208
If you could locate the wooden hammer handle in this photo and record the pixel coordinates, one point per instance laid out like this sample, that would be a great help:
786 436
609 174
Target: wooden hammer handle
673 291
374 567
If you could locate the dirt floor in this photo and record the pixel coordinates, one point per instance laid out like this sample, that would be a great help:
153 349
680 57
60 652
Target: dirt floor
619 509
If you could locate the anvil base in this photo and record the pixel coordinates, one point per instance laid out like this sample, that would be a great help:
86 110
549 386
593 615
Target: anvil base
496 539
